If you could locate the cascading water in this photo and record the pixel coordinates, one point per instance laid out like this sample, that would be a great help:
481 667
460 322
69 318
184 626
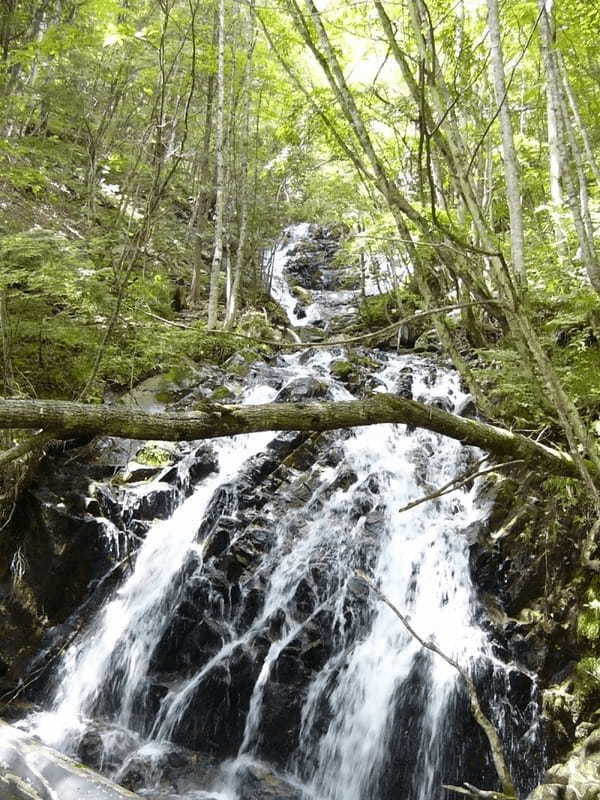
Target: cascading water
117 647
242 631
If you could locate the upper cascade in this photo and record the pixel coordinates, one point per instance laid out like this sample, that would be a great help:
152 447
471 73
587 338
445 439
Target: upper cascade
305 281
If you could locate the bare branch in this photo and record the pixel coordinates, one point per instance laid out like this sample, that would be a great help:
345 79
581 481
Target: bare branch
495 742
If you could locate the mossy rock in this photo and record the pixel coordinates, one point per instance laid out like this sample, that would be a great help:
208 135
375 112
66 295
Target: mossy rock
221 393
365 361
428 342
302 295
342 370
255 325
154 455
237 365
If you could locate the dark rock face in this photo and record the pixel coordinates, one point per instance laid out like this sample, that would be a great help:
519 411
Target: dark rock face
302 389
65 545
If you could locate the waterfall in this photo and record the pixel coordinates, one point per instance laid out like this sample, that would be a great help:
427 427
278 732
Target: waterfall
242 631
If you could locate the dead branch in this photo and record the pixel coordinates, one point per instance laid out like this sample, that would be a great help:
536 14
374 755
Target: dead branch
494 740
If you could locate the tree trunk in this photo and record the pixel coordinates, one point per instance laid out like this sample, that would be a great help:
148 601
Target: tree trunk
202 204
234 294
213 298
583 131
67 419
511 169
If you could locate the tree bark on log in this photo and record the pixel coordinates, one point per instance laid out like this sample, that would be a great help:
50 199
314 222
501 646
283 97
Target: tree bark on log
67 419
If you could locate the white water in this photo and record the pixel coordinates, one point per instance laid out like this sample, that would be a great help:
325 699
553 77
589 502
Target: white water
280 288
422 568
418 558
122 638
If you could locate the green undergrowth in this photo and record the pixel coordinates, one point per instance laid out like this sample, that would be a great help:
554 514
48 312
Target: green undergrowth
568 325
60 271
587 670
377 311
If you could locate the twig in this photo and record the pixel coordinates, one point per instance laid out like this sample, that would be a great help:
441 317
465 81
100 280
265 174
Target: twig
334 343
455 484
472 791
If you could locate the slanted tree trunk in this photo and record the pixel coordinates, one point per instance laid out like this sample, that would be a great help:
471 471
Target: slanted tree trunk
217 260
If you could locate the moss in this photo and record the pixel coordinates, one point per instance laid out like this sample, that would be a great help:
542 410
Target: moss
379 310
588 620
221 393
302 294
587 678
153 455
342 369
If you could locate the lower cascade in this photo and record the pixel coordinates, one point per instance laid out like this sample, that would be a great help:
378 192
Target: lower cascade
241 657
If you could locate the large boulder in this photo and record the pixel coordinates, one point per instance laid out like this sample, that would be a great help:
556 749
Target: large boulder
31 771
578 778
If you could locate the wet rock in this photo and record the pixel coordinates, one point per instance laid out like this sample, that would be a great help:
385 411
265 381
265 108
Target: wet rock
302 389
578 778
286 443
137 473
428 342
214 720
237 365
220 537
257 782
342 370
405 383
158 503
253 603
23 761
408 335
280 724
245 552
204 463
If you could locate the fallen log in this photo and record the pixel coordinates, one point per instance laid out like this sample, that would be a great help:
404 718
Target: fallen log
65 419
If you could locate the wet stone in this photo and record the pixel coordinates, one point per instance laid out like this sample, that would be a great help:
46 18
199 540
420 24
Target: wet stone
158 503
302 389
220 537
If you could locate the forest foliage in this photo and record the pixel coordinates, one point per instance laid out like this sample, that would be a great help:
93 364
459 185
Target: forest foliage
384 117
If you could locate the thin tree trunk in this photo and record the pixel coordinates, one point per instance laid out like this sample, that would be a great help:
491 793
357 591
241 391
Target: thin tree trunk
583 130
198 222
555 148
215 272
586 246
511 169
234 294
7 368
